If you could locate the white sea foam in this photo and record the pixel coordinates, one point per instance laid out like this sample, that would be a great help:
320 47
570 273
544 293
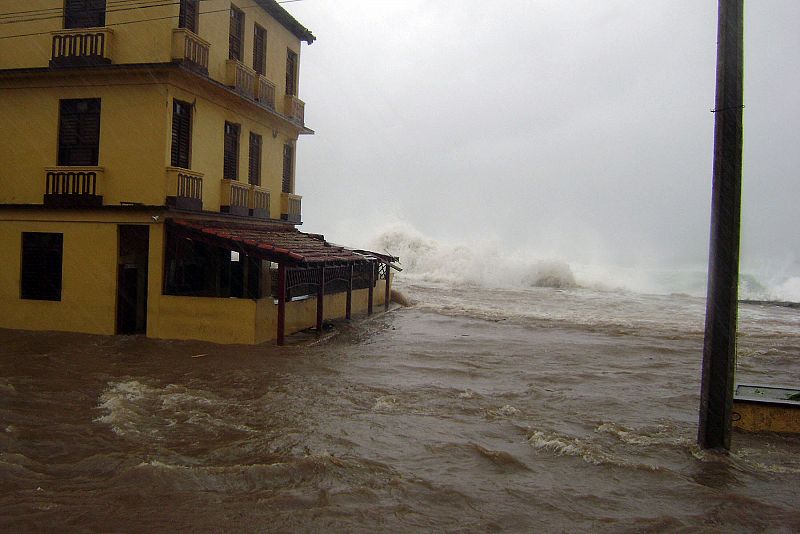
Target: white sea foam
476 263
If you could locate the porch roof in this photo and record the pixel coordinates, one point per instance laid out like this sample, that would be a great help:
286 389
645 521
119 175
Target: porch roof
273 242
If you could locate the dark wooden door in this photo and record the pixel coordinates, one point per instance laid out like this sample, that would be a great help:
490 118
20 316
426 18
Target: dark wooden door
134 243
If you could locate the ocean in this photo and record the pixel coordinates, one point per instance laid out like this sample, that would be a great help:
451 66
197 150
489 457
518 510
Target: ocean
519 399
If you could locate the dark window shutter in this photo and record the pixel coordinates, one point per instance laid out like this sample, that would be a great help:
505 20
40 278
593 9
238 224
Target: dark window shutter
189 15
288 164
79 132
42 255
84 13
230 167
236 36
181 134
254 174
291 73
260 50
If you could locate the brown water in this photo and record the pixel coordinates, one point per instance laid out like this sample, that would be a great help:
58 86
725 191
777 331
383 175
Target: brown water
519 411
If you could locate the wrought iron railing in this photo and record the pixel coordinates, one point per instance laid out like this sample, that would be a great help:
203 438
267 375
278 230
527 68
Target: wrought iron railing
81 46
189 48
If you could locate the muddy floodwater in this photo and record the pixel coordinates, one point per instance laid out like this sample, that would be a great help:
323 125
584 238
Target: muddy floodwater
506 411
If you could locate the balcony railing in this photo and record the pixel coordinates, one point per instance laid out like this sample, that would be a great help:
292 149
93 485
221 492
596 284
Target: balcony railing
184 189
295 109
290 207
73 187
190 50
84 46
259 202
234 198
241 77
266 93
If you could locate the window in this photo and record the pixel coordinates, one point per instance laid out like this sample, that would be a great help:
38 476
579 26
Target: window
260 50
230 167
79 132
291 73
287 185
84 13
181 134
254 167
236 36
189 15
40 276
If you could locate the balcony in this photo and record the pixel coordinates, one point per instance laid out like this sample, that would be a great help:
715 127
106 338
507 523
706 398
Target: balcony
234 198
266 93
73 187
290 207
295 109
241 78
80 47
259 202
190 50
184 189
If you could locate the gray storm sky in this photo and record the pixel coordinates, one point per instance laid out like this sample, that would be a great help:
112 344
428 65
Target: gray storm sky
581 129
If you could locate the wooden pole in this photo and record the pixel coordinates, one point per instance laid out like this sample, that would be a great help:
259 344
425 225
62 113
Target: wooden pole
349 305
387 295
371 287
719 347
281 302
320 298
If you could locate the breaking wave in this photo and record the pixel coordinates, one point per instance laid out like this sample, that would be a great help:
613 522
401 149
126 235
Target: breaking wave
425 259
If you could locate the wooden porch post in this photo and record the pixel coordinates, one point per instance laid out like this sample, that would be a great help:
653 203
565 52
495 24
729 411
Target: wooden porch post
388 290
320 298
349 305
371 283
281 302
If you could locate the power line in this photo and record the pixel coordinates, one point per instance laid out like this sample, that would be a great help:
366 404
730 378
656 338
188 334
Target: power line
138 20
58 14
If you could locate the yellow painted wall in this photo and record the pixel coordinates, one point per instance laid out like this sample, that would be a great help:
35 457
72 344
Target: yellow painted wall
133 127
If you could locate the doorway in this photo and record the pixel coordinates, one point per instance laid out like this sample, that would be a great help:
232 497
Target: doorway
134 245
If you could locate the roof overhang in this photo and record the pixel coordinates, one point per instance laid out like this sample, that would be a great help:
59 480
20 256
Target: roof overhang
287 21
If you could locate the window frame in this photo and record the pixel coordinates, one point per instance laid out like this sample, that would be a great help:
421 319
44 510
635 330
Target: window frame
291 72
184 131
231 142
259 52
236 34
76 16
189 15
254 159
81 123
287 180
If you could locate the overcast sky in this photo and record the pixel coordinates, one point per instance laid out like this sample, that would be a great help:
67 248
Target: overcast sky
581 129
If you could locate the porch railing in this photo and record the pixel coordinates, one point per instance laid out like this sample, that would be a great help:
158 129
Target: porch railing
184 189
290 207
241 78
234 198
295 109
73 186
84 46
266 92
259 202
189 49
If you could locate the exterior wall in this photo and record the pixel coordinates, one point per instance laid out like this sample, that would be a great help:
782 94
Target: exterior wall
89 272
133 127
149 41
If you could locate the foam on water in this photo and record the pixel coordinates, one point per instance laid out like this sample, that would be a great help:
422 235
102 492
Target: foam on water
428 260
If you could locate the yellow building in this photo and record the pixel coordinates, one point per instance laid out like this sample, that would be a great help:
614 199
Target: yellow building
148 181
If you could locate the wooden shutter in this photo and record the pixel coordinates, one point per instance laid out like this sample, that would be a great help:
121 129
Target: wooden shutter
42 254
236 36
181 134
84 13
230 167
288 164
291 73
254 167
79 132
260 50
189 15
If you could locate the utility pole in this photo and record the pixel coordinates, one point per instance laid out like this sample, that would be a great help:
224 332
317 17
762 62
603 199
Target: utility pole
719 347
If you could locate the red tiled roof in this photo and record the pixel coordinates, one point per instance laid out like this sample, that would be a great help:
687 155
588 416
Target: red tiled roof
268 241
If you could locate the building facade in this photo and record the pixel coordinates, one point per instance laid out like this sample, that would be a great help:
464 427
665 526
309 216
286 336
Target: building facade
148 176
